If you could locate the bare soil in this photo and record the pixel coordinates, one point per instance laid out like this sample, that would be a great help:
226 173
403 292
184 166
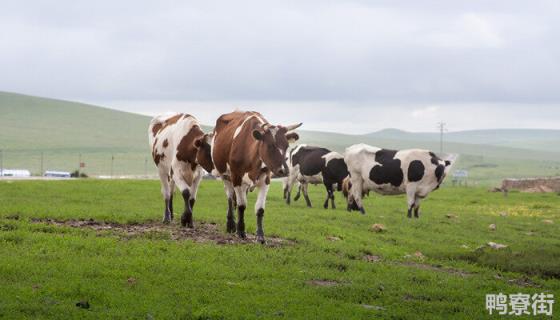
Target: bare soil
202 232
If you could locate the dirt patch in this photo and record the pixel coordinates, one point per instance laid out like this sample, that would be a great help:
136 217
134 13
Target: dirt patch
322 283
436 268
202 232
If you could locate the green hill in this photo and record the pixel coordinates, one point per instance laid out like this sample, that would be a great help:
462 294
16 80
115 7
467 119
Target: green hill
46 134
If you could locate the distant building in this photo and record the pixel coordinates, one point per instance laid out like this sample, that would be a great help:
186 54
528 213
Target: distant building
460 177
57 174
14 173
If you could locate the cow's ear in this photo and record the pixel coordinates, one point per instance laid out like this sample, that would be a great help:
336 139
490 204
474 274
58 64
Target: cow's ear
292 137
447 163
198 142
257 134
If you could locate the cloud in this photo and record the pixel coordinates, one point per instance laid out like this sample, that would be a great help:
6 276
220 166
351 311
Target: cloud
288 53
428 112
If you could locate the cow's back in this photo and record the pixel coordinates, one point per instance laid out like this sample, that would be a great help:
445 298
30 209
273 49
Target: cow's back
228 127
310 160
172 136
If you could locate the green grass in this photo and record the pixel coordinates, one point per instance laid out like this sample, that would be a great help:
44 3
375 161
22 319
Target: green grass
45 270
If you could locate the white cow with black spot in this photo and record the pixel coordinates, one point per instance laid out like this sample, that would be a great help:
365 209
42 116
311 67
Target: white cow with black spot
413 172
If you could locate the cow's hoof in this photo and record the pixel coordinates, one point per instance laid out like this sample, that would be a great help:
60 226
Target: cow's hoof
230 226
260 239
166 220
186 223
242 234
362 211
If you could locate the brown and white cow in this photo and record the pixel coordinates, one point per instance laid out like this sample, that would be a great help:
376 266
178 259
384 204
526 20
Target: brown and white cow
181 150
246 150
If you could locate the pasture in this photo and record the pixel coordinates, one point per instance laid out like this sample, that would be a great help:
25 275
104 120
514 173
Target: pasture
319 264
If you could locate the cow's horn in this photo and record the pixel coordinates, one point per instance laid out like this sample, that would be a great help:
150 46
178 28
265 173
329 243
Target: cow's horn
293 126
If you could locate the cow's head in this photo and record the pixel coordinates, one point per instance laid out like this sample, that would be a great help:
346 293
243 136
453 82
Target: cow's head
204 151
274 141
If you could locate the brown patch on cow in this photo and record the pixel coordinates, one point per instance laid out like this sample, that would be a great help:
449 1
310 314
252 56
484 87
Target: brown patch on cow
186 150
165 143
203 232
322 283
156 128
436 268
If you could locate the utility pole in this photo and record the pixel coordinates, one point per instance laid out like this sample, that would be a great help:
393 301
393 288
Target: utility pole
442 128
79 165
112 162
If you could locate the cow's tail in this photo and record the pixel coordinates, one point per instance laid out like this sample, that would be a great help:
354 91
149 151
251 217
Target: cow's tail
156 122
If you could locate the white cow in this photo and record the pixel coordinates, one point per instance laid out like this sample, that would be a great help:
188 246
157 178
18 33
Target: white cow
181 150
390 172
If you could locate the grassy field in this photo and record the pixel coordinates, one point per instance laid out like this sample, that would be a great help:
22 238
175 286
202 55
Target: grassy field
430 268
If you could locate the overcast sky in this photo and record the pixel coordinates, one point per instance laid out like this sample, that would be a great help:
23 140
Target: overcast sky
350 66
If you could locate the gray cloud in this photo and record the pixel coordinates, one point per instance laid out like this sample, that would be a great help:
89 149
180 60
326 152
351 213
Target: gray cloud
358 55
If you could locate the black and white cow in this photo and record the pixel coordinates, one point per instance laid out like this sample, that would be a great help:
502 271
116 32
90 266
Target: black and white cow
314 165
390 172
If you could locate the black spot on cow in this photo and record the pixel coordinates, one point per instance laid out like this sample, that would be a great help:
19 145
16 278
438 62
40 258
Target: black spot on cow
310 160
415 171
434 159
439 172
335 172
389 170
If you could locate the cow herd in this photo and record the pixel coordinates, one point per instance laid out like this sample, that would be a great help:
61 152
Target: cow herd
245 151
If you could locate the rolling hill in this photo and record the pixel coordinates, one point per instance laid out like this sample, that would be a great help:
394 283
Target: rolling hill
48 134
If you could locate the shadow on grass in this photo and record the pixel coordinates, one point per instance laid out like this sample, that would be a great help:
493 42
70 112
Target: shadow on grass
543 262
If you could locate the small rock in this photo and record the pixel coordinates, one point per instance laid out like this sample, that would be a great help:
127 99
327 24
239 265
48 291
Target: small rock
378 227
131 280
530 233
333 238
465 246
419 255
548 221
451 216
83 304
367 306
492 227
496 246
503 214
372 258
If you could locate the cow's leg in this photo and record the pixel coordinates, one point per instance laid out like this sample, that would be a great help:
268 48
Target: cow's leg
355 198
166 192
298 194
183 177
333 206
329 189
411 198
230 192
172 190
305 195
417 207
290 181
196 183
259 207
241 196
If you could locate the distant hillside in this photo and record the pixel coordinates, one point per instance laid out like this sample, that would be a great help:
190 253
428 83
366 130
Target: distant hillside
533 139
40 134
